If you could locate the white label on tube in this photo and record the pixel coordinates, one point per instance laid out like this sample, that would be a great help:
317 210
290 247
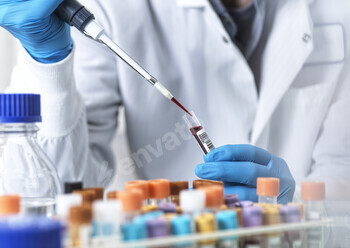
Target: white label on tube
204 138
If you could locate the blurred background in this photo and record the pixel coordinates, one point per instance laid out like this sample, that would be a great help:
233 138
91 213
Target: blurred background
8 52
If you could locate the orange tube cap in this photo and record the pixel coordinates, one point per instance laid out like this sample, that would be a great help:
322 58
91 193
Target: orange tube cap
268 186
313 191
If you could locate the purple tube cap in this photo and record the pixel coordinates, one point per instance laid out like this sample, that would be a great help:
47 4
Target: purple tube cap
252 216
290 214
244 204
231 199
167 207
157 228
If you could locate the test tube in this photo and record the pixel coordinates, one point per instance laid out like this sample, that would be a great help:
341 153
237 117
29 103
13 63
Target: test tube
271 216
227 220
231 200
291 214
98 192
159 191
206 223
252 217
9 205
313 195
131 204
175 189
64 202
180 226
268 189
141 185
80 226
214 197
199 133
106 218
201 183
69 187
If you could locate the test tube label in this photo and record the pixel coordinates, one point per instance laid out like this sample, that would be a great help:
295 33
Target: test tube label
204 138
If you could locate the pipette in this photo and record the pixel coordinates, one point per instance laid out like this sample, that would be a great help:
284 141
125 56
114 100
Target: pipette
75 14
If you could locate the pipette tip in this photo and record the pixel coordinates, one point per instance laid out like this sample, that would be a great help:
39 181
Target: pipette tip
180 105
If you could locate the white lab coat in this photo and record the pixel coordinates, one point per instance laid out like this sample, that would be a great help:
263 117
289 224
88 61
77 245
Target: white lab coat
300 113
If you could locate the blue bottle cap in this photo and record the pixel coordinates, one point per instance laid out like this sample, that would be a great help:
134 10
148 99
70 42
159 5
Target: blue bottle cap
181 225
19 108
227 220
132 231
30 232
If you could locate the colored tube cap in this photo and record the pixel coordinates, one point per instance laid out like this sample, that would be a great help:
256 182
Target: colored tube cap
132 231
167 207
113 195
159 188
205 222
131 200
268 186
98 192
181 225
227 220
88 196
192 201
105 211
231 199
201 182
177 187
9 204
20 108
244 204
252 216
30 231
157 228
141 185
290 214
69 187
214 195
80 215
65 202
313 191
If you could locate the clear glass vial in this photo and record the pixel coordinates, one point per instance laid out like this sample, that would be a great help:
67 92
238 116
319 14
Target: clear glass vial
25 169
199 133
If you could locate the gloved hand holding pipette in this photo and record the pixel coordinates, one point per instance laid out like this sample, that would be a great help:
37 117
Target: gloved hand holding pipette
45 37
239 166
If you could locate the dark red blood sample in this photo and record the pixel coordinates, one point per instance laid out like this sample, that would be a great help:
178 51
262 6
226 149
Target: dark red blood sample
194 131
180 105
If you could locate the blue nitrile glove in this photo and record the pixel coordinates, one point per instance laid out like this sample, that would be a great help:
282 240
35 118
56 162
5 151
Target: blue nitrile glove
45 37
239 166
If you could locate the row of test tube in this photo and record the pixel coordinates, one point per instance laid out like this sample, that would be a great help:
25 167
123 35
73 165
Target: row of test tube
159 208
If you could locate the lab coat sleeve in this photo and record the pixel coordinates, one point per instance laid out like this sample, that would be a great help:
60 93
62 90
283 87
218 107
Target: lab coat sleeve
331 155
80 100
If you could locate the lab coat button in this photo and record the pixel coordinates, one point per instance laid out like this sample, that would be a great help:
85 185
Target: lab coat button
306 38
224 39
250 135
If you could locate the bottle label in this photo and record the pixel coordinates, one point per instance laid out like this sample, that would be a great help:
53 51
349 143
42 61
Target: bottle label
206 142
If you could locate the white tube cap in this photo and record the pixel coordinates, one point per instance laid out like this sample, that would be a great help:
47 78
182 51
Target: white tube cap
192 201
65 202
107 211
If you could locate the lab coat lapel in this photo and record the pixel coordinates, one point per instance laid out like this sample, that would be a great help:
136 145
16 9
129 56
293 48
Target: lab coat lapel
288 46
